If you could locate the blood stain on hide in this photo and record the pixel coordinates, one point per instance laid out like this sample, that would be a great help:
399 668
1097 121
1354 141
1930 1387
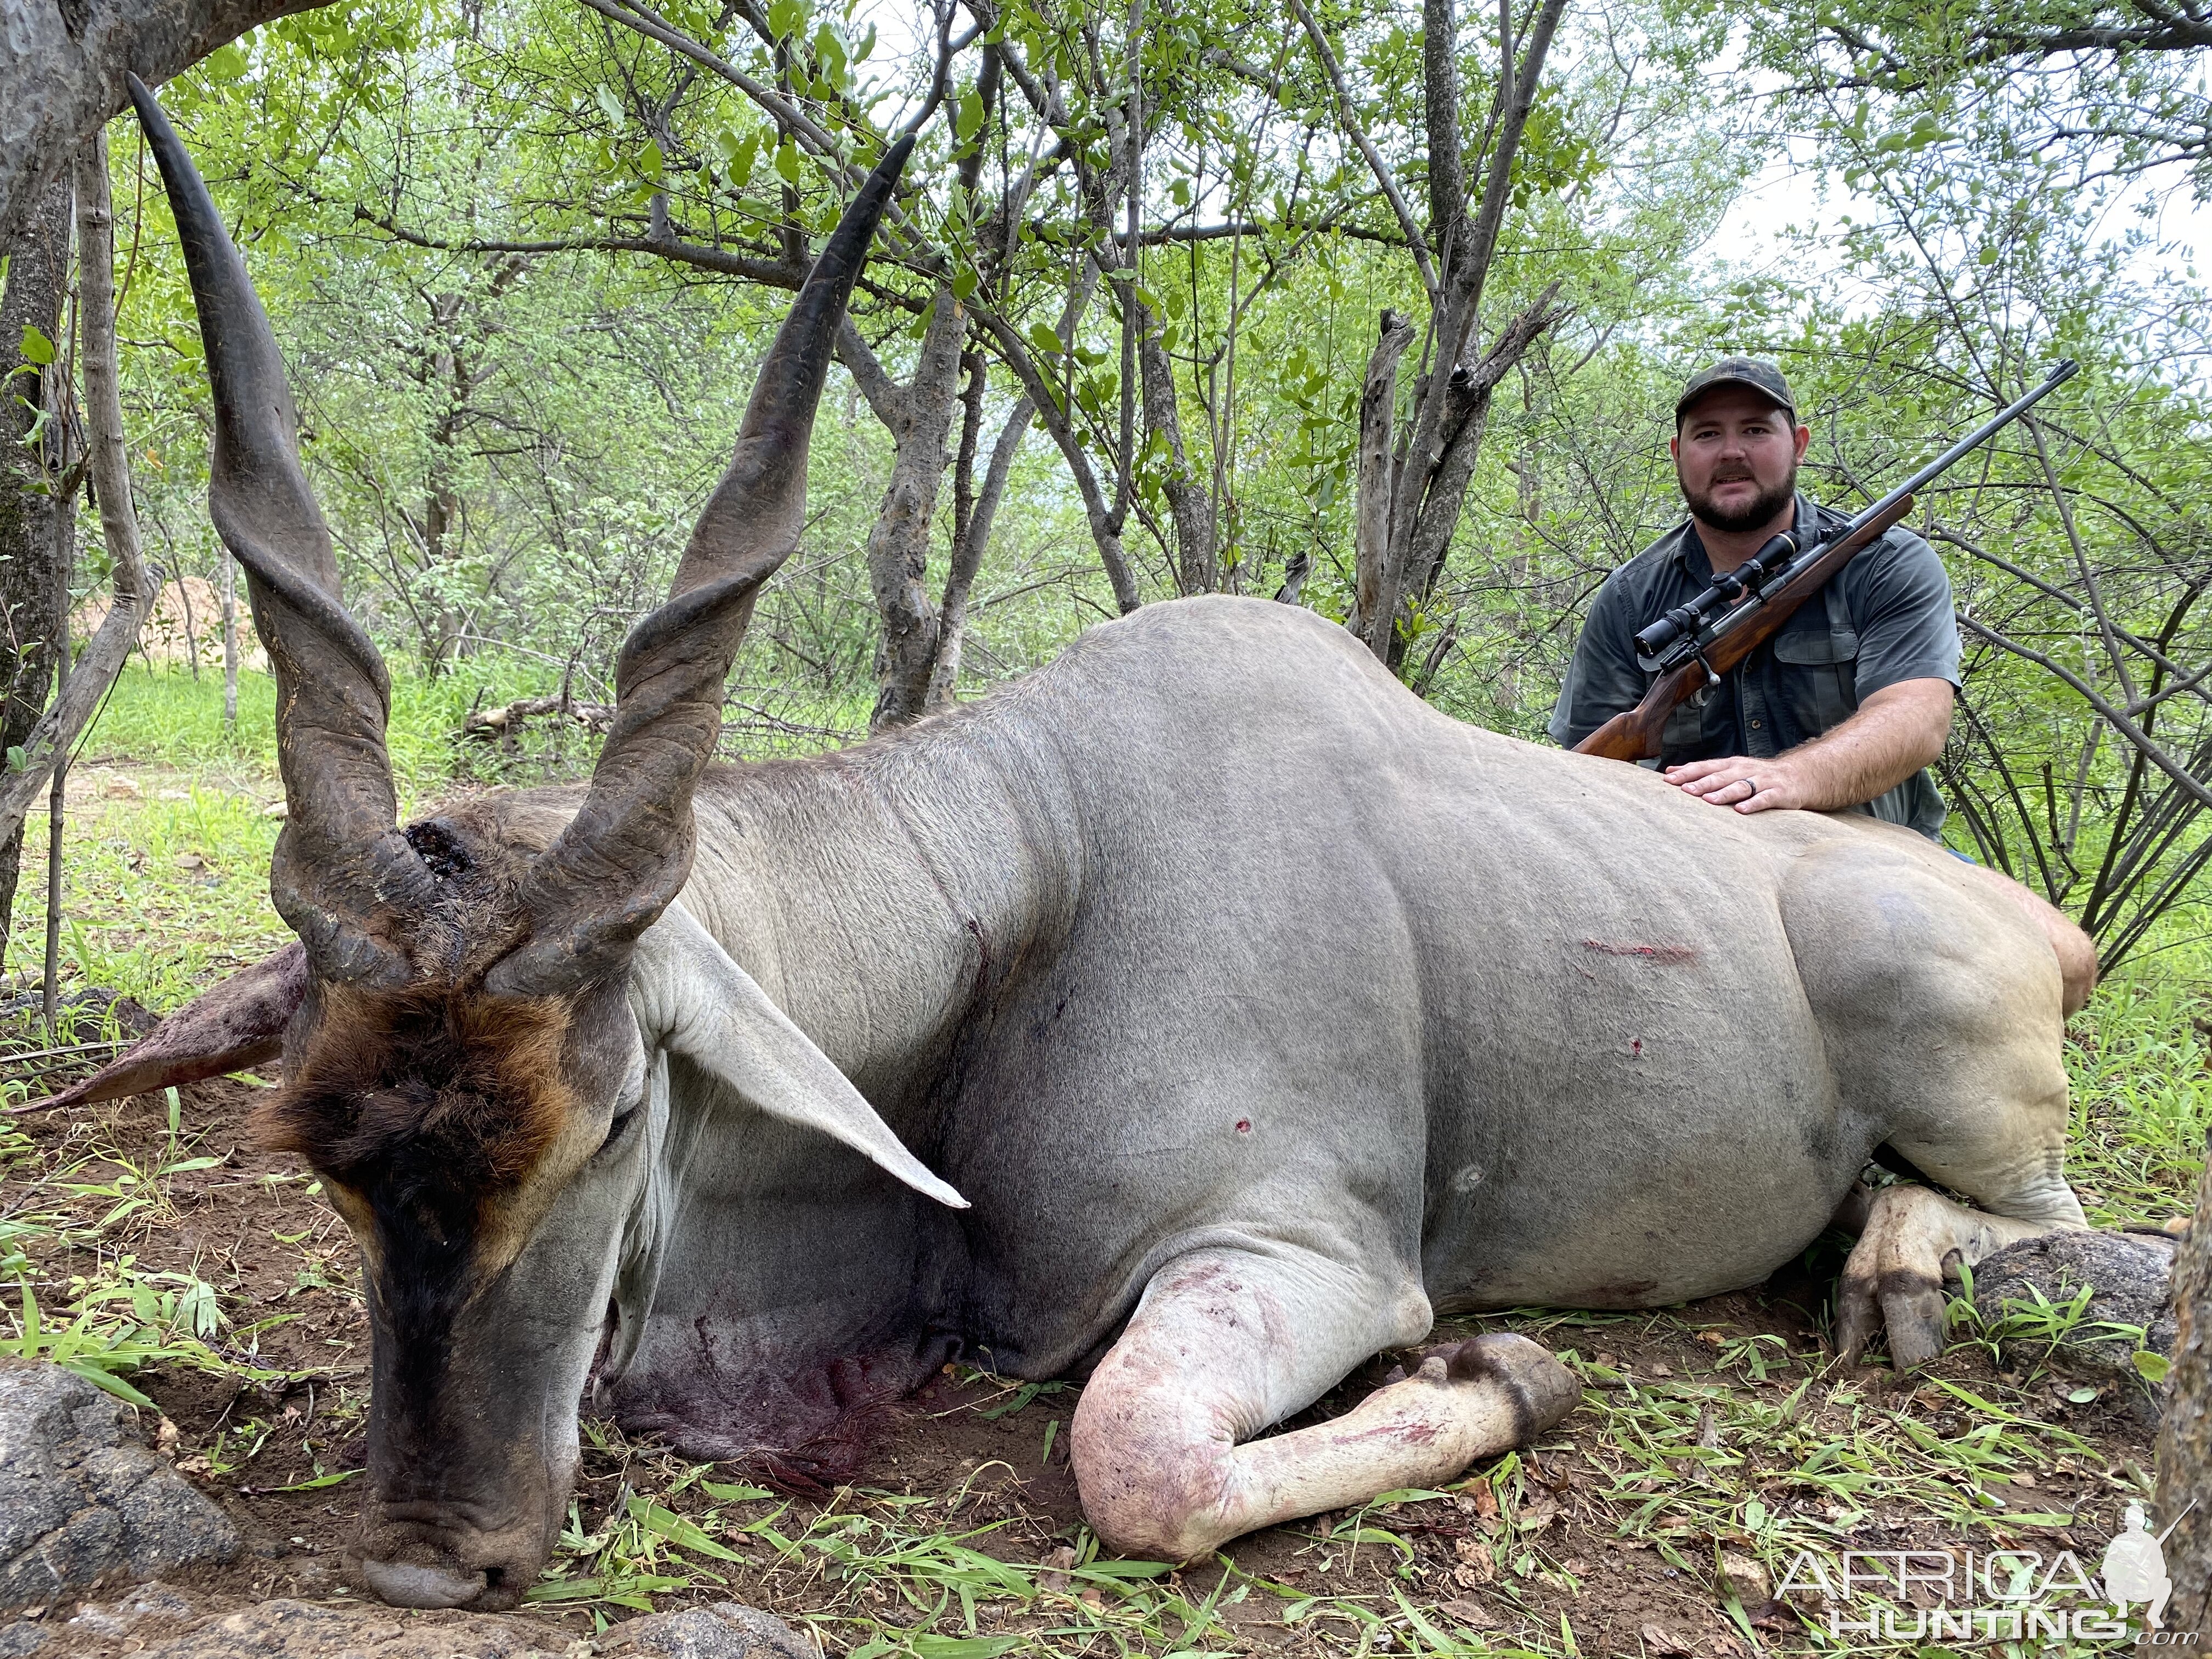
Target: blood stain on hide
1672 954
1636 1047
1243 1126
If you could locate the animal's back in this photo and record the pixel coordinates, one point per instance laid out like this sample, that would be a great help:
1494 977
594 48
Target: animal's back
1348 973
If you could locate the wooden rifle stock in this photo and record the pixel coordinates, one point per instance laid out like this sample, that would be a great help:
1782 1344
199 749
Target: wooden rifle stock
1634 735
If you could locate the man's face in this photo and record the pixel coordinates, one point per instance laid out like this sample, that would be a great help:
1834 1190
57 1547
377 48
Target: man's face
1736 456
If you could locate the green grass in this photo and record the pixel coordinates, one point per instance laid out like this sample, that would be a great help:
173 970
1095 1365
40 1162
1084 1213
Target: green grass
165 717
2136 1058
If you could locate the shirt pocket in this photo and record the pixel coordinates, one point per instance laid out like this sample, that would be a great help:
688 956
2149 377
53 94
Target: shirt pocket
1820 677
1683 733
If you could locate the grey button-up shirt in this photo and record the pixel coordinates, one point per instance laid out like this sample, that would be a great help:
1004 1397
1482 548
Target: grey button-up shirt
1884 618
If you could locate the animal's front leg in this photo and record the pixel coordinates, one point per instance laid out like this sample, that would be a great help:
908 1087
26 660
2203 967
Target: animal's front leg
1224 1344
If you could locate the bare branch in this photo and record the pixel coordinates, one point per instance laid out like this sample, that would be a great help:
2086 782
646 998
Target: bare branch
1353 124
634 15
2144 745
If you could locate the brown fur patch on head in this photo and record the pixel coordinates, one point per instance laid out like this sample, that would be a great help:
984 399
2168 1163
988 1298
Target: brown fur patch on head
442 1093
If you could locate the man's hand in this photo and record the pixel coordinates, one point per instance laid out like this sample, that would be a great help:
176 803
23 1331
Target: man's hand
1896 731
1749 786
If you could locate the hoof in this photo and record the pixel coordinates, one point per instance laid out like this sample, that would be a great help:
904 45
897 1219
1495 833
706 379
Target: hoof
1541 1390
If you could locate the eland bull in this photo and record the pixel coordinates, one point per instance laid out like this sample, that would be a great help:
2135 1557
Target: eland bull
1200 1013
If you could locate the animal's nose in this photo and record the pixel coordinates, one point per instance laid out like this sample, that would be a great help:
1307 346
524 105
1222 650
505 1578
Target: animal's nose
408 1585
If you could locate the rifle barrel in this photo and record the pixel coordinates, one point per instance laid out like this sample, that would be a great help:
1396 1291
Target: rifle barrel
2067 369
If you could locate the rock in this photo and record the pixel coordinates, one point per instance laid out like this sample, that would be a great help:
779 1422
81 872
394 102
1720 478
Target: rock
2128 1273
21 1638
1744 1578
725 1630
299 1628
81 1499
307 1630
148 1600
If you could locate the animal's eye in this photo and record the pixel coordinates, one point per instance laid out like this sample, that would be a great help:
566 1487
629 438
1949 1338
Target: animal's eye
624 1116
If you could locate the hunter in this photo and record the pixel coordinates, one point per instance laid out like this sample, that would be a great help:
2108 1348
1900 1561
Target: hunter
1851 702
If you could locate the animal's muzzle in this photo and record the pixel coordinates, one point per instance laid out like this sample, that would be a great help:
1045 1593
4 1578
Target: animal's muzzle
404 1584
426 1555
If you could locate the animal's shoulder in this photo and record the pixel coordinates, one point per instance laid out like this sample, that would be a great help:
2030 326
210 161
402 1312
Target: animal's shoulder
1240 647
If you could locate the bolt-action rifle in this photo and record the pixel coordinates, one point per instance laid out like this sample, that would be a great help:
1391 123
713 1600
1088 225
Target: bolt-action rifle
1698 642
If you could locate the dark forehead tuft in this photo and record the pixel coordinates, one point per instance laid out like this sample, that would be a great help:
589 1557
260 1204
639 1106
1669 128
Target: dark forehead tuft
436 1089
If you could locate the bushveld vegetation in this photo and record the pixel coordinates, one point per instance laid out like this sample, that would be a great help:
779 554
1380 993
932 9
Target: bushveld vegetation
522 256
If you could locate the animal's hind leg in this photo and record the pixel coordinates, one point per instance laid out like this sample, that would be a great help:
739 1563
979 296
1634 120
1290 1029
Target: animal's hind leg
1913 1241
1226 1342
1942 1003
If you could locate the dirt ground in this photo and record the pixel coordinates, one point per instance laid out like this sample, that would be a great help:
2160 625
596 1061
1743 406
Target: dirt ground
1631 1539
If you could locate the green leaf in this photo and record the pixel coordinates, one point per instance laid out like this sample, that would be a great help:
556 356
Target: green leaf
722 1491
965 1647
740 154
610 105
787 161
37 347
92 1373
565 1590
968 115
786 17
315 1484
1045 340
2152 1366
678 1531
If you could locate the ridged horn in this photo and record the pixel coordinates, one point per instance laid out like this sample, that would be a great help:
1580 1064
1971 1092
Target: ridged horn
343 875
627 852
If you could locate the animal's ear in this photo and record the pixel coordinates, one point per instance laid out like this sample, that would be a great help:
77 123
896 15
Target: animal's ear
692 999
238 1024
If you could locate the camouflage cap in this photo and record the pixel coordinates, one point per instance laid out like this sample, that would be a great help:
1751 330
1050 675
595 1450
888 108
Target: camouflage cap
1756 372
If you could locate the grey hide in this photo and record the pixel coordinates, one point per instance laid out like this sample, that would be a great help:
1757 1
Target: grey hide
1210 936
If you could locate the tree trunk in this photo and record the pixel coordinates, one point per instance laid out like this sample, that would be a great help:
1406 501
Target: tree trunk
899 546
78 700
61 63
1428 485
2184 1437
34 523
1188 504
229 640
967 558
1467 417
1440 83
1379 402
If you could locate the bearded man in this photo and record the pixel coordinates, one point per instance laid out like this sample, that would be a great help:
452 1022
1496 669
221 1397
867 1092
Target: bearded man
1846 707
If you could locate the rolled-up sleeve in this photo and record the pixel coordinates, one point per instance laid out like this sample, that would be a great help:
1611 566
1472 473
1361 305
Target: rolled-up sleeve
1906 626
1602 678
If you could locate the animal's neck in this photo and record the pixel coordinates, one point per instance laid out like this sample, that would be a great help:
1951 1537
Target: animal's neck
879 894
